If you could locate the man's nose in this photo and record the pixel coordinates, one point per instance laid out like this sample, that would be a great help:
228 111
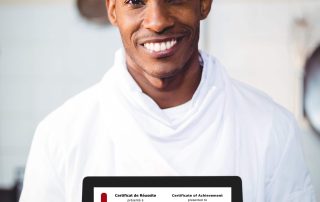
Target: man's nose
157 18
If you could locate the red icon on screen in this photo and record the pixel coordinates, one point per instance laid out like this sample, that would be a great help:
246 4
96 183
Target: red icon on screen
103 197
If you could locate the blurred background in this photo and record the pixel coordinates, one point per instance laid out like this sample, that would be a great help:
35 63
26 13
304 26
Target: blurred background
51 50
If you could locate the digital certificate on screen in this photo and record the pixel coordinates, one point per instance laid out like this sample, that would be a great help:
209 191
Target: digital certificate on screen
162 194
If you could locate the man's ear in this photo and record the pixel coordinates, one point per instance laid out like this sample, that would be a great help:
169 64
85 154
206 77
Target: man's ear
111 9
205 7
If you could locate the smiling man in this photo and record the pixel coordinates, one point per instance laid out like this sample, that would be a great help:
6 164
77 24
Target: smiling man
161 44
165 108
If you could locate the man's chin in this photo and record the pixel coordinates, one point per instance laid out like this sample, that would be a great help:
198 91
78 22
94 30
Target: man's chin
163 72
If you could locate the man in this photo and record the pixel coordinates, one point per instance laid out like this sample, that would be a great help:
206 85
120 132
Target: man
167 109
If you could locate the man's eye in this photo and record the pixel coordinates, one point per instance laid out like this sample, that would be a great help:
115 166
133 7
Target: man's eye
135 2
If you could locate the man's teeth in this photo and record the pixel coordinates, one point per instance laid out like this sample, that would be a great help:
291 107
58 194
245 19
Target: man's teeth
162 46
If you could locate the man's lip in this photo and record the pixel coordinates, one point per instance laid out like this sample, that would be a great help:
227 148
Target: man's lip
160 39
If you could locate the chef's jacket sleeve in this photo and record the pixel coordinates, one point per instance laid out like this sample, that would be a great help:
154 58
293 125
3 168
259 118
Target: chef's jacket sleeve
291 180
41 181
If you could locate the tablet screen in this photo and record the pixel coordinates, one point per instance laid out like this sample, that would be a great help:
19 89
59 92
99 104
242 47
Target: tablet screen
161 194
162 189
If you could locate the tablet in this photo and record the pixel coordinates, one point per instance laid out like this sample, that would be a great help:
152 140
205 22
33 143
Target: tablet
162 189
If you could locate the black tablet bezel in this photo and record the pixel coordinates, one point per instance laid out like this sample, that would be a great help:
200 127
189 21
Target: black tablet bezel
89 183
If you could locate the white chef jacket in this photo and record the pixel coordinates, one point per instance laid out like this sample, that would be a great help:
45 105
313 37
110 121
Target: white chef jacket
114 129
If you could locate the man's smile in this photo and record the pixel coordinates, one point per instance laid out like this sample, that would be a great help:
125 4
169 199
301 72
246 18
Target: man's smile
160 47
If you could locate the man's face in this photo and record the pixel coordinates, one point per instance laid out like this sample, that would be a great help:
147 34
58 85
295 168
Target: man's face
160 37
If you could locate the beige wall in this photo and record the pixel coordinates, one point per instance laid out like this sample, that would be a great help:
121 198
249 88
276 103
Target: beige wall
225 1
33 1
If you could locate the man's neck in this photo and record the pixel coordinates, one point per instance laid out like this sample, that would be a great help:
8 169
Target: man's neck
171 91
